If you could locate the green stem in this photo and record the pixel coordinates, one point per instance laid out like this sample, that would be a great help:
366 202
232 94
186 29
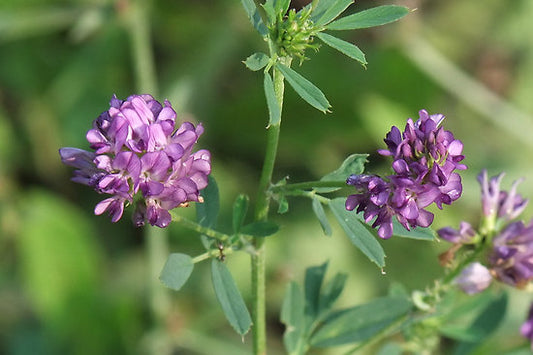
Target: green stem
187 223
261 214
157 250
308 185
143 59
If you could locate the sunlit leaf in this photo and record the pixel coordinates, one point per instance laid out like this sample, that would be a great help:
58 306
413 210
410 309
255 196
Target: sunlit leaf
307 90
257 61
240 208
360 322
351 50
376 16
321 216
176 271
328 10
230 298
357 232
274 110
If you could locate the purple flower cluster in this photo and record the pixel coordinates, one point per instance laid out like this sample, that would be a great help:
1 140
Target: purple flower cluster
141 157
425 157
511 259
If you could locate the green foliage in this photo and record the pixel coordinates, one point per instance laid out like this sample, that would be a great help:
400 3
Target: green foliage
207 211
254 16
292 315
307 90
176 271
328 10
376 16
321 216
351 50
230 298
311 321
360 323
260 229
419 233
240 208
257 61
357 232
274 110
353 164
483 326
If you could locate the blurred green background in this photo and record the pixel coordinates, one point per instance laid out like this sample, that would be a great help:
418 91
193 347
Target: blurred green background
74 283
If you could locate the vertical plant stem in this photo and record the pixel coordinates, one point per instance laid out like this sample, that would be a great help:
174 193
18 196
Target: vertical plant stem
261 214
156 239
143 59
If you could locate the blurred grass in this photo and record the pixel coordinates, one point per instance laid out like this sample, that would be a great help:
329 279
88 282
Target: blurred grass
72 282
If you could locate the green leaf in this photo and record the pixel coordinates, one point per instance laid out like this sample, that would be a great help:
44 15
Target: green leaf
328 10
461 333
307 90
255 18
230 298
283 205
354 164
487 322
376 16
292 315
351 50
321 216
207 211
274 110
260 229
257 61
357 232
270 11
360 323
176 271
314 276
419 233
331 292
281 6
240 208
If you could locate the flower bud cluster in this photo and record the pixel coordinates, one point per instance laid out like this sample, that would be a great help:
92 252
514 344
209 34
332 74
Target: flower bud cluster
140 157
294 33
425 157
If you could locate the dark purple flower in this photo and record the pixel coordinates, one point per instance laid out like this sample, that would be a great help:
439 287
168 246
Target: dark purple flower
474 278
140 155
425 157
511 259
498 203
527 327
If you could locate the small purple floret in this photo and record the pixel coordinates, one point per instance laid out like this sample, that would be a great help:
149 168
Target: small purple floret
474 278
141 157
425 157
498 203
527 327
